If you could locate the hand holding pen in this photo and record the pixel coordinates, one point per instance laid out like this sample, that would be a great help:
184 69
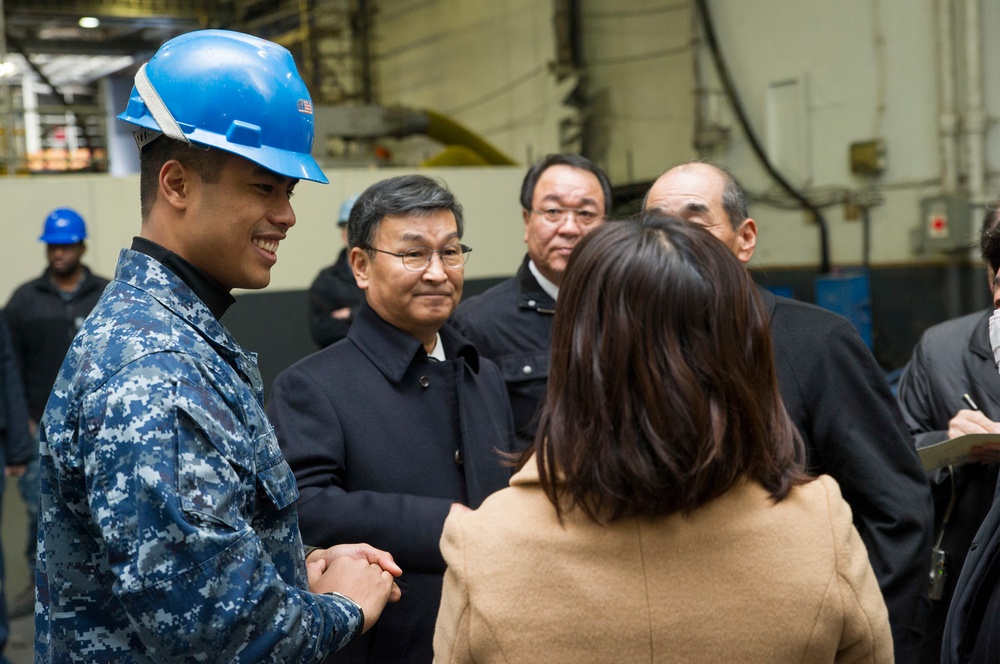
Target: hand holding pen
972 420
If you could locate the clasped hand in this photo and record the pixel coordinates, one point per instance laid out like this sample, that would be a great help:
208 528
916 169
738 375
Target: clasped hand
358 571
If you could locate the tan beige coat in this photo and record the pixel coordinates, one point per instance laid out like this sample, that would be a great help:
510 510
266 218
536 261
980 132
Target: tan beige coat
740 580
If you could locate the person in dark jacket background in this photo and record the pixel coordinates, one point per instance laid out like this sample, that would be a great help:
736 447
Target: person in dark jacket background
44 315
949 388
972 629
16 445
838 397
401 423
563 197
334 296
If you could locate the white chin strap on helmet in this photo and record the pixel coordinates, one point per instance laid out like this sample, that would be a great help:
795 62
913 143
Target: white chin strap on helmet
159 111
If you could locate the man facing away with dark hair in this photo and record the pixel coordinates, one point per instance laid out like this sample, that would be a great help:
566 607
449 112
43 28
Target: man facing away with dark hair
838 398
402 422
168 529
950 388
563 197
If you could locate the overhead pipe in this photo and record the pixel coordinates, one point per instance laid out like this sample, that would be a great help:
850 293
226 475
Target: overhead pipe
975 115
948 119
450 132
730 87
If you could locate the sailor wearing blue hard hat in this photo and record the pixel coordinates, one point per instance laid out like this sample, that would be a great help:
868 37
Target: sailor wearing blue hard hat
169 509
64 232
43 316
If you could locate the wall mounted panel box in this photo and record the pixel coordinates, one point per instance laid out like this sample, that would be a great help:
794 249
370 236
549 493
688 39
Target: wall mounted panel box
848 294
945 224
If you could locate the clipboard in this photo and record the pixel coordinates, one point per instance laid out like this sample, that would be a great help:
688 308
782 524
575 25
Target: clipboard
954 451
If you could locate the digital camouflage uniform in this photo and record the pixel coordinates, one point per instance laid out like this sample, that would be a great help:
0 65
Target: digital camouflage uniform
168 529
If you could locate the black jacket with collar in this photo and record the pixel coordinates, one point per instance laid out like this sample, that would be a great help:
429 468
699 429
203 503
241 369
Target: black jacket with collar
511 324
951 359
837 396
334 288
972 632
382 440
42 326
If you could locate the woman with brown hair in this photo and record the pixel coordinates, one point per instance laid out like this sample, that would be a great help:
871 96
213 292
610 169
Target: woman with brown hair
663 513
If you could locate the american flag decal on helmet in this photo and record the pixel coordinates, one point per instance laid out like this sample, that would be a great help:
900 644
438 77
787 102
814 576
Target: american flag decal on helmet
305 106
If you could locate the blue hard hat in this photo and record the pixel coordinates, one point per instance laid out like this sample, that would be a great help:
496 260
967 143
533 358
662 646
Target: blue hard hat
230 91
64 226
345 209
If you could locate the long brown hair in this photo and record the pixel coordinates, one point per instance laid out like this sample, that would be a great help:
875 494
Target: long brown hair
662 391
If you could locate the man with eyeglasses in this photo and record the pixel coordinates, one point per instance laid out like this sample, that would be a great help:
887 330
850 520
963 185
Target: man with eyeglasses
564 197
401 422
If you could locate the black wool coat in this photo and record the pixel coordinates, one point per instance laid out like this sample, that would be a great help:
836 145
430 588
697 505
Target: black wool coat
382 440
951 359
837 396
511 324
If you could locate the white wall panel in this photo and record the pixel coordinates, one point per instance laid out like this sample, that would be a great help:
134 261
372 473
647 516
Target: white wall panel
871 73
638 60
869 68
110 205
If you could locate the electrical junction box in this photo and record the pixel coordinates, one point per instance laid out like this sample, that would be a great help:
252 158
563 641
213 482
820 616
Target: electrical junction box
945 224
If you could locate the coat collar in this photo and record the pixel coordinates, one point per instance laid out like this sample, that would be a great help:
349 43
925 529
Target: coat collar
770 301
979 342
392 350
532 295
528 473
145 273
980 365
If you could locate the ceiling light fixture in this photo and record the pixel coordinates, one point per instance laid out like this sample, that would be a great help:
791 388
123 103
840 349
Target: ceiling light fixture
7 68
89 22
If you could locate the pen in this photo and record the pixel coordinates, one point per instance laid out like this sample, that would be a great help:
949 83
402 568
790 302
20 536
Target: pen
967 399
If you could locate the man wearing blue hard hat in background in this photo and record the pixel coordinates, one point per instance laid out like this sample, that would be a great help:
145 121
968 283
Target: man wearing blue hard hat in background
168 529
44 315
334 296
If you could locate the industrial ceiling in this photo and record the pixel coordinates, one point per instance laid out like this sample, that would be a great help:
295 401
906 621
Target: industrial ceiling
47 36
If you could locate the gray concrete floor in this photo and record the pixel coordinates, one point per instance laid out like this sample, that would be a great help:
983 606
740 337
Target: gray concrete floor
13 534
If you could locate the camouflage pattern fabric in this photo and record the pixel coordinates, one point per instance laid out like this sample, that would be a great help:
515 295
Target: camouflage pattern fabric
167 530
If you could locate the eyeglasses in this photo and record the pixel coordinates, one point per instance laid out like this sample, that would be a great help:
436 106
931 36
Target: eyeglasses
418 259
557 215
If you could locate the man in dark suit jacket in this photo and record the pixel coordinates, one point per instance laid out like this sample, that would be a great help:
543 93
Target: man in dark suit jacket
839 400
950 388
390 429
972 630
